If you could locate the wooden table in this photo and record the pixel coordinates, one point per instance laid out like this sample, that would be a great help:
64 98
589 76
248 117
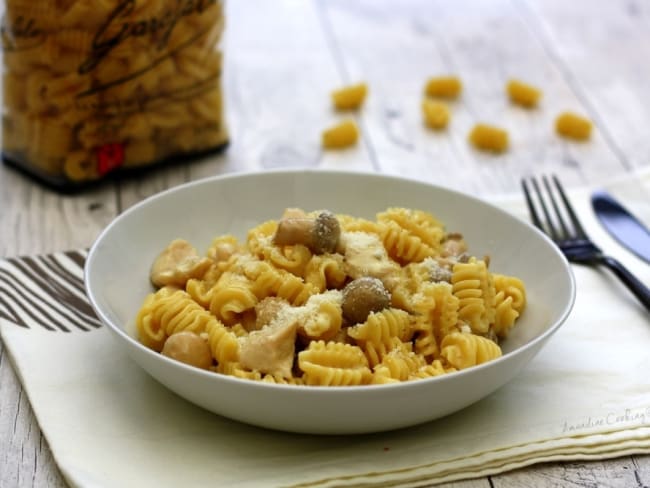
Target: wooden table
282 60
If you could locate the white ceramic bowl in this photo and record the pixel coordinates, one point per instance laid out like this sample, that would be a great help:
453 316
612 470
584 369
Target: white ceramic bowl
117 280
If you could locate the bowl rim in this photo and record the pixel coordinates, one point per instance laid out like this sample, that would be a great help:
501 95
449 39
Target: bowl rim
335 390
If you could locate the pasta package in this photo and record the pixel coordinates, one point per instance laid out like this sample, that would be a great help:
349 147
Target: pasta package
99 87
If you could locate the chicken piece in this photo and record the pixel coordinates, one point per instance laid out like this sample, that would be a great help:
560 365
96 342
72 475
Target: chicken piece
365 255
454 245
223 248
189 348
271 349
177 263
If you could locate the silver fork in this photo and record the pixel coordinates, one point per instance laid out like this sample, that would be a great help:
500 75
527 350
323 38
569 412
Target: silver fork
571 238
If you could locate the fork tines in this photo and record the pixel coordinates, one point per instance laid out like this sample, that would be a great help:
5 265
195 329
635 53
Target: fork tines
556 225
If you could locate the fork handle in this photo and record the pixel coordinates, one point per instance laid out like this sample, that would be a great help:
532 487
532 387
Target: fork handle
639 290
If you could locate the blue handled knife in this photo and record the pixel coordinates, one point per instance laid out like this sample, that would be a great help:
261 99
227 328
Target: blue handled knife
625 227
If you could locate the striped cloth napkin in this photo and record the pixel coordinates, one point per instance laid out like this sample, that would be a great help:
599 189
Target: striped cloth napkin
585 396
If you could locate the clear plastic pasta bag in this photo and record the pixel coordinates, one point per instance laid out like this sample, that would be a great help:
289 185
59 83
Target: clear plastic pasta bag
93 88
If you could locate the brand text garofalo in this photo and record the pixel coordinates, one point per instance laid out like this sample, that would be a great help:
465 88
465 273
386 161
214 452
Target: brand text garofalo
122 28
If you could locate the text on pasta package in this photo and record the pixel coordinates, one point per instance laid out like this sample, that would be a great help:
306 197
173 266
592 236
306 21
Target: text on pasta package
115 31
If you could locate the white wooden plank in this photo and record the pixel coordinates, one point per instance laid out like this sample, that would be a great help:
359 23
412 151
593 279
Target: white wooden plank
615 473
35 219
396 50
642 469
278 75
604 59
134 190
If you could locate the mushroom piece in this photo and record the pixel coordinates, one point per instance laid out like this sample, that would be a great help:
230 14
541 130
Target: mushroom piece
321 234
454 245
177 263
363 296
189 348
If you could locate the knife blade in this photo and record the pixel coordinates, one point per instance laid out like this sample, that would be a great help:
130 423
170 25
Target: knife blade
621 224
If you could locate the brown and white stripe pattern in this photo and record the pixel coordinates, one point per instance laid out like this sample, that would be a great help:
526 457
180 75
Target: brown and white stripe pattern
46 291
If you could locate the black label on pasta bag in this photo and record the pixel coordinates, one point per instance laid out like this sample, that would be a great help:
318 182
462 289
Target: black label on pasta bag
20 33
119 27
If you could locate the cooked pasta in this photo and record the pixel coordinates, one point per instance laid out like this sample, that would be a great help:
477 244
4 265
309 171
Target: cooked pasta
333 364
349 97
370 307
474 288
462 350
512 287
398 365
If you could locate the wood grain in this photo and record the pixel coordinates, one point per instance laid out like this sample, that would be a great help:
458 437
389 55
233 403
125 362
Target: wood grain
616 473
601 63
485 44
25 457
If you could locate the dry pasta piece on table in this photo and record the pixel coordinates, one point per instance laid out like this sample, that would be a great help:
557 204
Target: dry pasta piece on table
350 97
443 86
573 126
342 135
436 114
489 138
523 94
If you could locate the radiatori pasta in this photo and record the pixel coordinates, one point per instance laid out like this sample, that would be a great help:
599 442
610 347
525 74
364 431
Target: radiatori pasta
319 299
91 87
